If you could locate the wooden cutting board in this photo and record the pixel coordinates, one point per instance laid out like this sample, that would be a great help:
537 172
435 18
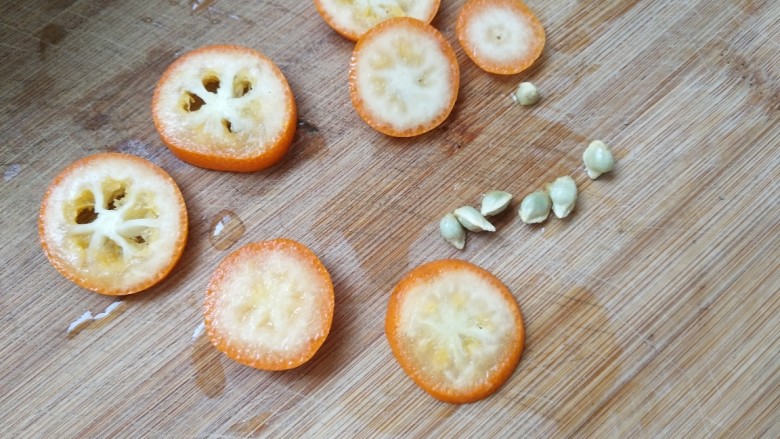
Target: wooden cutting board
653 311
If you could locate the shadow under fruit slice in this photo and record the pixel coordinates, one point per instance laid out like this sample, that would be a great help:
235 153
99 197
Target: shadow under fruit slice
455 329
113 223
269 305
226 108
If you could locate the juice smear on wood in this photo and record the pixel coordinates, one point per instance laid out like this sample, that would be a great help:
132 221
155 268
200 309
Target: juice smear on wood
251 426
209 373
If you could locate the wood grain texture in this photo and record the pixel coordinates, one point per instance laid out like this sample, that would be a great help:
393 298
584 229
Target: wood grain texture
654 311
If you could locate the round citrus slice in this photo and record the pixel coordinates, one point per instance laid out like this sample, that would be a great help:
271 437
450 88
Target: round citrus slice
270 305
404 77
353 18
113 223
500 36
455 329
227 108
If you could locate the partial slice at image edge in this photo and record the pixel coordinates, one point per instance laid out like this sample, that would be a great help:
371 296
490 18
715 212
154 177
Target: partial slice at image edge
353 19
502 37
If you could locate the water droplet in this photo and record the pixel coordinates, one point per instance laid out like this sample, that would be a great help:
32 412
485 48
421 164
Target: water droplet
226 229
200 5
11 171
136 147
96 321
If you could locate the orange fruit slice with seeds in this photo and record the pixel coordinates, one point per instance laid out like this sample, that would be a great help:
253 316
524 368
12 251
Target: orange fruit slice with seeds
353 18
227 108
455 329
404 77
269 305
113 223
500 36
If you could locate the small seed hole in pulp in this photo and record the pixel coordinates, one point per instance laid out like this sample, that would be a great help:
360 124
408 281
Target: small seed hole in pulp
499 33
241 87
211 83
139 239
86 215
193 102
116 196
228 125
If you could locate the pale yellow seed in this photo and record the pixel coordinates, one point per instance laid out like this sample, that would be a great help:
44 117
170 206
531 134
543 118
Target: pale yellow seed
472 220
452 231
535 207
526 94
563 193
598 159
495 202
